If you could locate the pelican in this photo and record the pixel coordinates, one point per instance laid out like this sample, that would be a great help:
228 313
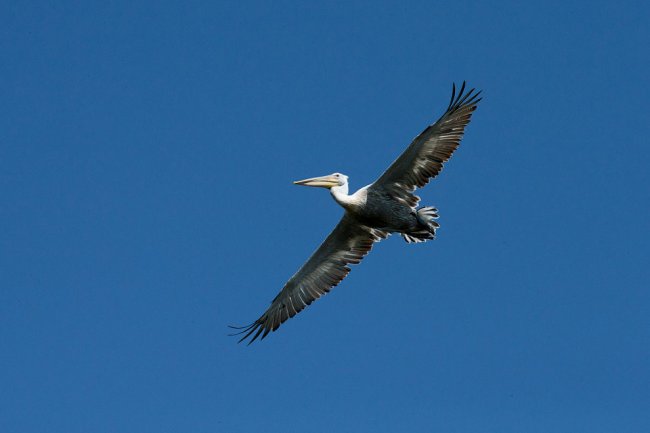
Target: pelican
372 213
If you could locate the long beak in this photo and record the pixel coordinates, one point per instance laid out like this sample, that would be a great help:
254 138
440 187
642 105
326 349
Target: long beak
324 181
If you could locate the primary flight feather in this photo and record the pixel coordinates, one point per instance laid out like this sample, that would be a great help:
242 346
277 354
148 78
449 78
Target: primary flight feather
371 214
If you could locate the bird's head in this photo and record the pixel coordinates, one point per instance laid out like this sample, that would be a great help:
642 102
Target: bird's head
329 181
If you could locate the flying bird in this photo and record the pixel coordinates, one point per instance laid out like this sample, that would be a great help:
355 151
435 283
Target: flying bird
372 213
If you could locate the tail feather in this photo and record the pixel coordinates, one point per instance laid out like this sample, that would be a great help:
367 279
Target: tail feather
427 217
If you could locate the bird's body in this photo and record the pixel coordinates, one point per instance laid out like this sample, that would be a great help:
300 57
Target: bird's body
376 208
372 213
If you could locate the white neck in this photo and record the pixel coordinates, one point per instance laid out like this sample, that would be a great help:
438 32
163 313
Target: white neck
340 194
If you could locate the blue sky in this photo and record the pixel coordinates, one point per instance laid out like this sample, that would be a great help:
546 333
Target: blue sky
146 158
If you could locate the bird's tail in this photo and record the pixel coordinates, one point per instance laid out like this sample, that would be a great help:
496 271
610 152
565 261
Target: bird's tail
427 217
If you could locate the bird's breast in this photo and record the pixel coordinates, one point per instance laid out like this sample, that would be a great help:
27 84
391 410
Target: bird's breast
383 212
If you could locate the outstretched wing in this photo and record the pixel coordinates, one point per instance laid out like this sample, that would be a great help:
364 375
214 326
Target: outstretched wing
424 157
348 243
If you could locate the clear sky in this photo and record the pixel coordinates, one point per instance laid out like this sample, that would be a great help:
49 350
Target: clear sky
147 152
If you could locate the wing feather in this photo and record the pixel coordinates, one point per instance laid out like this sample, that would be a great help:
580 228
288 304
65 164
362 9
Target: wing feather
423 159
348 243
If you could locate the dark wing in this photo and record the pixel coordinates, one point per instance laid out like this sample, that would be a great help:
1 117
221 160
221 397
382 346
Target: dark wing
348 243
424 157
